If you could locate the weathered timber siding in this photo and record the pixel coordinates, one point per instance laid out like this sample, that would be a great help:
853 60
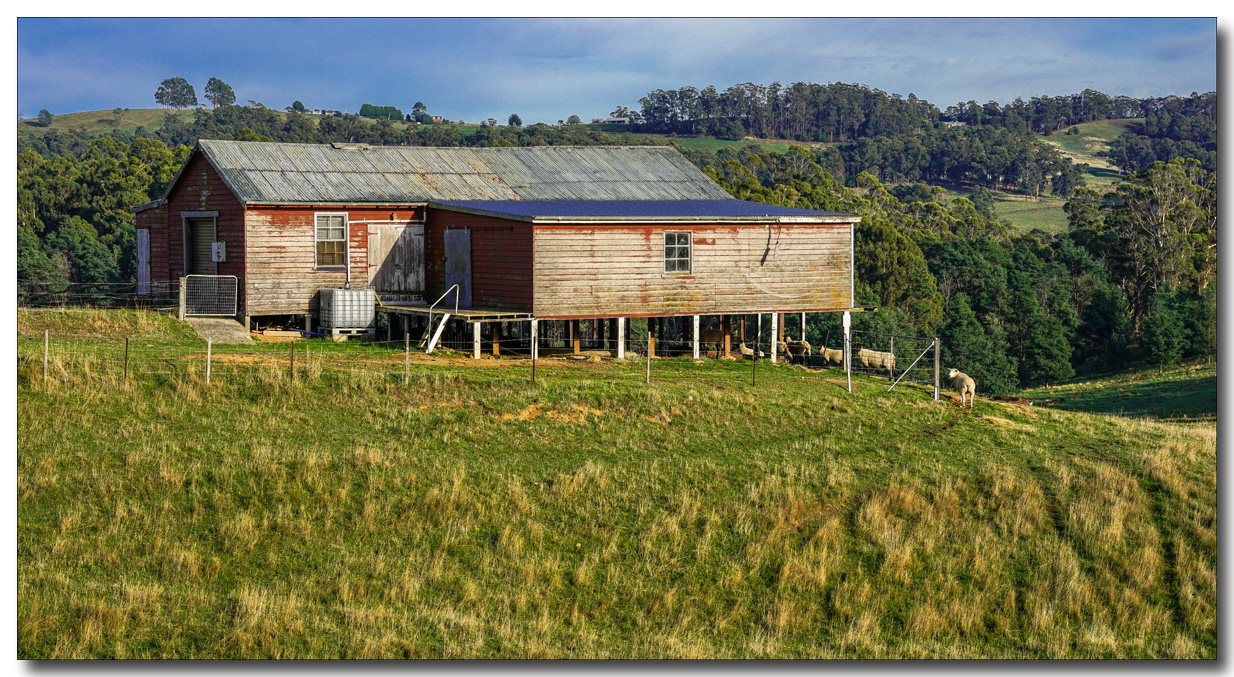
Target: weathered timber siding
200 189
282 254
155 221
618 270
501 274
396 260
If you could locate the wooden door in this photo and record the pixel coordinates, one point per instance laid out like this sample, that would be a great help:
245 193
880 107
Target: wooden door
396 258
458 264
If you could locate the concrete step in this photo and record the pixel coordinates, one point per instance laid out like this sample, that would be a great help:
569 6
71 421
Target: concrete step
220 329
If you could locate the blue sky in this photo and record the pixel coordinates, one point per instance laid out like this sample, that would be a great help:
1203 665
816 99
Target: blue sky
548 69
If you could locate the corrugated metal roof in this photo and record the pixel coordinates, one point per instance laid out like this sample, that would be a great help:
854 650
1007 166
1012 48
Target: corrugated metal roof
632 208
295 173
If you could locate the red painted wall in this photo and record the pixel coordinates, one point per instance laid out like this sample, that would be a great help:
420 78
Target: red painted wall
200 189
501 253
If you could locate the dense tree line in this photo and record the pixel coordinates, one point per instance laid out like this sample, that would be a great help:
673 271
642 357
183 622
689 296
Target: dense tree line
73 218
807 111
1175 127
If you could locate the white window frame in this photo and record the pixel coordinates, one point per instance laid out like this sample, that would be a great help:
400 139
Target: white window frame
689 258
346 240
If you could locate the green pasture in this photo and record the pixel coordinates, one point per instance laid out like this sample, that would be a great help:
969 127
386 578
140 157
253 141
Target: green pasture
474 513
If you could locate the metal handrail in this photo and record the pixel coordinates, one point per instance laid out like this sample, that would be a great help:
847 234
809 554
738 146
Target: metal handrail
453 288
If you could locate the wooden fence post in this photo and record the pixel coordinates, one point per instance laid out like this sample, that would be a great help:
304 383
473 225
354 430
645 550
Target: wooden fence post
126 358
183 300
651 342
406 357
291 372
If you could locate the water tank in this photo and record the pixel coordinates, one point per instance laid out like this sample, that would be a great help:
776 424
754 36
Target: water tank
349 310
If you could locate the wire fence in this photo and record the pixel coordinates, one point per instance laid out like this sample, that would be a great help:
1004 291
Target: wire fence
58 355
912 358
96 295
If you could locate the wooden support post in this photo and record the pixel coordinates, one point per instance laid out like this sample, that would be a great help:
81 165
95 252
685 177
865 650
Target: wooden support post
650 341
46 350
291 371
780 321
126 359
475 340
209 350
937 350
776 337
726 326
575 338
183 300
621 338
696 329
406 355
651 336
495 331
847 322
742 329
535 348
803 325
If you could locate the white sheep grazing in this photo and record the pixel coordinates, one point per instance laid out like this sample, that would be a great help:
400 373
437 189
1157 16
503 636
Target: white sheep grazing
875 359
800 349
963 384
747 351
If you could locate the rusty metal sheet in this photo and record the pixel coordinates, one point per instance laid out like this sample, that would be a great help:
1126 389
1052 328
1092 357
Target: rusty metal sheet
294 173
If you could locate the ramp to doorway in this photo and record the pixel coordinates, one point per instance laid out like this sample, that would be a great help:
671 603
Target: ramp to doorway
219 329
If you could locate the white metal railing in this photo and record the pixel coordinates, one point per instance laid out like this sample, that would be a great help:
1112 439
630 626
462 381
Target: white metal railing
208 295
429 335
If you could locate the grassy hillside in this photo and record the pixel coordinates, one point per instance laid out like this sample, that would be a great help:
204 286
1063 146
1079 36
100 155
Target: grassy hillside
474 513
1093 138
1186 391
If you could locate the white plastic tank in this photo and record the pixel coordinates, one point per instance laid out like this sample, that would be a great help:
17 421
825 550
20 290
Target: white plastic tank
347 309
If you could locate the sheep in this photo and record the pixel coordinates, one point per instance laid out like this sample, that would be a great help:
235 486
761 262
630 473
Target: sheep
963 384
711 337
832 355
875 358
800 349
747 352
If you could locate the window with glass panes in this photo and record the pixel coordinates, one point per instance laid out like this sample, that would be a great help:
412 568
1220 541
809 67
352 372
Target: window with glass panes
331 240
676 252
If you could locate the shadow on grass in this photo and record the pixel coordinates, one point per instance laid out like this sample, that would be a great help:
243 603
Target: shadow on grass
1161 399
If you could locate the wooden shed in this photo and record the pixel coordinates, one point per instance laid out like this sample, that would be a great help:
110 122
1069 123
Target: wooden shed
545 232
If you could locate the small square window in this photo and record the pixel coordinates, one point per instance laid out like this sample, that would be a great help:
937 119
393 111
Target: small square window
676 252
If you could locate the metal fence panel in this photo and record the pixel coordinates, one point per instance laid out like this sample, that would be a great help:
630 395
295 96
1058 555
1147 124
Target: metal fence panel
210 294
914 357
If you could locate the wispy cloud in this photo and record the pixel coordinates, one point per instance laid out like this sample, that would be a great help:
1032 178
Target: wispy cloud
547 69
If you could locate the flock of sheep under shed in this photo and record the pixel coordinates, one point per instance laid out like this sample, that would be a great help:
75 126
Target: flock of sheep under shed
870 359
